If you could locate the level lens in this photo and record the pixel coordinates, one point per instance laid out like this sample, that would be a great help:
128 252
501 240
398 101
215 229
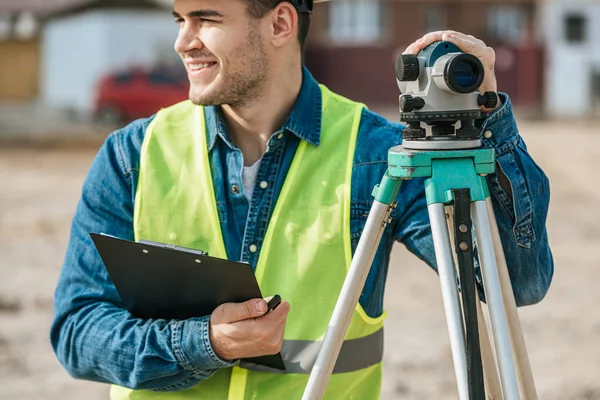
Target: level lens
463 73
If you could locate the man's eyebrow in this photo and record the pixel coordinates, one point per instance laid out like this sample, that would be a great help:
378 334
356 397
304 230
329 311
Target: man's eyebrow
200 14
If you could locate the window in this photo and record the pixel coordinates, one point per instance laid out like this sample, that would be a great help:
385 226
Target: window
575 28
26 26
355 22
434 19
506 23
5 26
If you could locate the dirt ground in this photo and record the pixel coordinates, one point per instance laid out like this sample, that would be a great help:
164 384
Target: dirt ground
40 187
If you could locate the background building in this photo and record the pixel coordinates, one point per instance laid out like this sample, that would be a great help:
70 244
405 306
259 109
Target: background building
83 43
54 52
81 40
19 49
571 30
353 44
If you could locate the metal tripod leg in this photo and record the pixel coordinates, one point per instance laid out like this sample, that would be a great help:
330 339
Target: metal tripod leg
355 280
524 373
490 370
491 282
447 274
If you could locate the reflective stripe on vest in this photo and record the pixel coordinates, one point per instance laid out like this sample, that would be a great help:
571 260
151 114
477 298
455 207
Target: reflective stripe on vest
300 355
304 256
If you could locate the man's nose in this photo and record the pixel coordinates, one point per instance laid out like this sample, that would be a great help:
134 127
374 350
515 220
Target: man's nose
187 40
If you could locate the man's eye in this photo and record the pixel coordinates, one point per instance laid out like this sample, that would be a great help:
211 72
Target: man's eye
178 21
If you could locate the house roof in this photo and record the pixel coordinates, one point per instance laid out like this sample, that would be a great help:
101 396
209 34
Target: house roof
50 7
39 6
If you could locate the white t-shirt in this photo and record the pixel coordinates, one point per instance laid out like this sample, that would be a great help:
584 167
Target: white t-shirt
249 179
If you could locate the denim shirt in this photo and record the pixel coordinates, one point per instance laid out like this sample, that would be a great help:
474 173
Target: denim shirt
95 338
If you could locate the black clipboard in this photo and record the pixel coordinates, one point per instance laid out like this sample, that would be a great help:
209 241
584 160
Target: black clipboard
157 280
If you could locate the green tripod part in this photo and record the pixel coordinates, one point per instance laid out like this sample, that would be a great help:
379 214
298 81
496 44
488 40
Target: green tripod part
446 170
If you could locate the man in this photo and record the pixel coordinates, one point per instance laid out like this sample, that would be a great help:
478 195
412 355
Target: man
264 166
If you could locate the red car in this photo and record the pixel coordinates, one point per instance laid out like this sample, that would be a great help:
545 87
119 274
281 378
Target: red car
135 93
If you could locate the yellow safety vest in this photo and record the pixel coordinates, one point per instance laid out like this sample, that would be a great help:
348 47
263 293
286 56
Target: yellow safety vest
304 258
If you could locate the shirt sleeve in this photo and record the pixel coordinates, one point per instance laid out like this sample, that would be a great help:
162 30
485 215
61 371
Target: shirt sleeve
93 336
521 217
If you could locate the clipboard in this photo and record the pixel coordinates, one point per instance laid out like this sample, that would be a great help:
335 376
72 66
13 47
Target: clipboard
161 281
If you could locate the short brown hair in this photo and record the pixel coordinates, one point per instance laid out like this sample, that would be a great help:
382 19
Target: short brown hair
259 8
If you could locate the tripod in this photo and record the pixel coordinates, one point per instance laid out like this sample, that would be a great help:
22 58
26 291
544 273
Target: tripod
455 190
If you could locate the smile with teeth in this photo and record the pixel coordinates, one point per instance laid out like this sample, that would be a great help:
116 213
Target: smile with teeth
201 66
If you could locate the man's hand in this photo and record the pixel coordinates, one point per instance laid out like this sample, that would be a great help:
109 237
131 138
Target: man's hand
468 44
243 330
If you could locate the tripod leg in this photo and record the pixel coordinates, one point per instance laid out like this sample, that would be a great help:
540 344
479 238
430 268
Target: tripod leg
496 307
490 371
445 264
523 366
464 252
346 303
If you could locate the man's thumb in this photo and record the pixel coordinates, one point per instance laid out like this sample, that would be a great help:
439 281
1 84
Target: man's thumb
254 308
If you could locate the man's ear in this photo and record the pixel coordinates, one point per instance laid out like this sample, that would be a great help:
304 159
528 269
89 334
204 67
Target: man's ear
284 24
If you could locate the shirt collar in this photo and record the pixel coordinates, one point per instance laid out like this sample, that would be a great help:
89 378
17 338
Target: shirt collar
304 121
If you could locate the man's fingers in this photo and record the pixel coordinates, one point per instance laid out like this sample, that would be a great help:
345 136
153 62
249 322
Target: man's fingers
423 42
462 41
277 315
233 312
478 41
467 43
233 334
476 47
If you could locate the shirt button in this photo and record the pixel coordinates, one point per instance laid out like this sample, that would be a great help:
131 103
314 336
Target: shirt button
264 185
280 136
487 134
235 189
253 248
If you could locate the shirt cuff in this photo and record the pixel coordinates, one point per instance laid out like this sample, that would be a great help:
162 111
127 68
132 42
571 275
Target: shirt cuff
192 348
500 128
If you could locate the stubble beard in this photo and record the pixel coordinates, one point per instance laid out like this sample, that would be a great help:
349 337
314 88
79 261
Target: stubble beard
243 78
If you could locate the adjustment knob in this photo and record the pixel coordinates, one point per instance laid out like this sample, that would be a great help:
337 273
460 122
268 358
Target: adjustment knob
488 99
409 103
407 68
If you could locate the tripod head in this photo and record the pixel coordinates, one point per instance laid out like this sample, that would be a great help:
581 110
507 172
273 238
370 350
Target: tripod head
439 90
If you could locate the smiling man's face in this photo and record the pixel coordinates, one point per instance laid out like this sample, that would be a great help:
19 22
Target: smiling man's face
222 49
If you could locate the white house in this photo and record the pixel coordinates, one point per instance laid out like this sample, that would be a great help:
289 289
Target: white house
85 40
571 29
